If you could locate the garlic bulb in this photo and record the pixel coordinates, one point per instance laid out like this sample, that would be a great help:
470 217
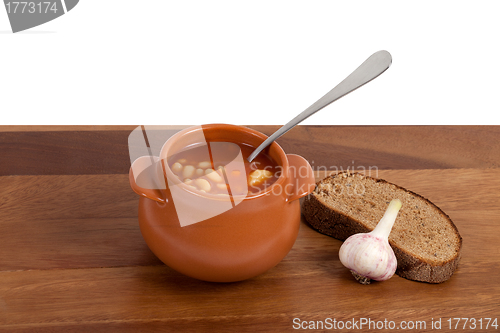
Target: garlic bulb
369 255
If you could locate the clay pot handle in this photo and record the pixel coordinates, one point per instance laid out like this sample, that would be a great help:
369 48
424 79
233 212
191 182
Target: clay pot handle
148 173
301 177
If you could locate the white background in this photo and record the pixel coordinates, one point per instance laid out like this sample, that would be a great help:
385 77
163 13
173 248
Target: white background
252 62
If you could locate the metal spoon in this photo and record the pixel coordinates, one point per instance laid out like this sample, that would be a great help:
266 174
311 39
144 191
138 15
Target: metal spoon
375 65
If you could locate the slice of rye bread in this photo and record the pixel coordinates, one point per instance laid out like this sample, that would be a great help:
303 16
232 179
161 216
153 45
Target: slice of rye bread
425 241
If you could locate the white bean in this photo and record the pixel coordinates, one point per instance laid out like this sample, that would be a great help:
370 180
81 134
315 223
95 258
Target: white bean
222 186
182 161
257 177
188 171
176 167
199 172
202 184
213 176
204 164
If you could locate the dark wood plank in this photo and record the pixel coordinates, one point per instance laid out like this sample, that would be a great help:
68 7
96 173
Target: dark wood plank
64 152
394 147
334 147
65 128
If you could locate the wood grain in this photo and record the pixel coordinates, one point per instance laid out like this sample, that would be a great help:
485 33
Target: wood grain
64 152
61 226
73 258
88 150
66 128
394 147
310 284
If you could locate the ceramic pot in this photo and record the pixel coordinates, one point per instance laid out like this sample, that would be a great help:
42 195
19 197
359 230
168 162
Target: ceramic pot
237 244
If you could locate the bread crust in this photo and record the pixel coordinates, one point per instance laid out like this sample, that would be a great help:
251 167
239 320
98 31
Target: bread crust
333 223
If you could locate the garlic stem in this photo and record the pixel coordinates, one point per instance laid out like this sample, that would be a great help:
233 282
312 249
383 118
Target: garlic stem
384 227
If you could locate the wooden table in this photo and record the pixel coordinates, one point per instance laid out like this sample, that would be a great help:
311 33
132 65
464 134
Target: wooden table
73 258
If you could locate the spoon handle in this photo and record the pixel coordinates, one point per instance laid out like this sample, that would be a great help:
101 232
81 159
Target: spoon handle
375 65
